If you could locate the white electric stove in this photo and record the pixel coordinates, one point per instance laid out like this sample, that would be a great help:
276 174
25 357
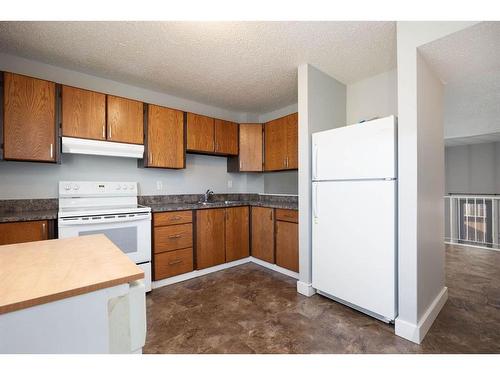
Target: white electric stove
110 208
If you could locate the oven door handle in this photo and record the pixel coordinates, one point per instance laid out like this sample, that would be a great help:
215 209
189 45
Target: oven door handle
79 222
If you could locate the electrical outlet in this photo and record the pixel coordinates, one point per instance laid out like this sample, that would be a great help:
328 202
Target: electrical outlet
159 185
229 184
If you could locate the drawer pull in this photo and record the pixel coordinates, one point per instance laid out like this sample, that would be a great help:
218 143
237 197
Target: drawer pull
174 262
176 218
173 236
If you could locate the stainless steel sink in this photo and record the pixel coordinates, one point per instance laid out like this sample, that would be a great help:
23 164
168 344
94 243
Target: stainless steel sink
216 203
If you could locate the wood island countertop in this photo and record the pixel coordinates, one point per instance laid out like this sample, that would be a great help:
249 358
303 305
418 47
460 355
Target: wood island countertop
34 273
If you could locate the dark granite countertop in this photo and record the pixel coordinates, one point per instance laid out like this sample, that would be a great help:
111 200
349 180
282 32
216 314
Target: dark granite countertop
164 207
27 210
11 216
46 209
163 203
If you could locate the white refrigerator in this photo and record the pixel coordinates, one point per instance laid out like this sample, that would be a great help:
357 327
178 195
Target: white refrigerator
354 229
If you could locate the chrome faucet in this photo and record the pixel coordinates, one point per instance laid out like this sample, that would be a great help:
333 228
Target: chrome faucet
207 195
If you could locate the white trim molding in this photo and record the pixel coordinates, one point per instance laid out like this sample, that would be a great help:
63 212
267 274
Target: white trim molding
416 333
275 267
305 289
198 273
220 267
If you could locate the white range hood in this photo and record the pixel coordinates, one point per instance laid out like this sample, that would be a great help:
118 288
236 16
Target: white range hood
91 147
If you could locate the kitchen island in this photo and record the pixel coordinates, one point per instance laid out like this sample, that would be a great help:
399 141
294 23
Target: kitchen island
75 295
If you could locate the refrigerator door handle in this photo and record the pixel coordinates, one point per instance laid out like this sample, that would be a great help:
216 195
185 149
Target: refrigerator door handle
315 201
315 161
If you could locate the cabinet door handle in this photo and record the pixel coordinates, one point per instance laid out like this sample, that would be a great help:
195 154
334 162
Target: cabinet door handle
111 127
172 236
271 216
104 131
150 158
174 262
51 150
43 229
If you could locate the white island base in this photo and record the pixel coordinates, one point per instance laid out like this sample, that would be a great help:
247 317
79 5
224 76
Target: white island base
110 320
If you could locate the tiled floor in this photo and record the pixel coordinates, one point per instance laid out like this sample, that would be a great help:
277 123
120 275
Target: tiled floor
249 309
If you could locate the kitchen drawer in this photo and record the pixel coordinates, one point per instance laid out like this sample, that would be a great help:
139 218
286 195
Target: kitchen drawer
173 237
170 218
173 263
287 215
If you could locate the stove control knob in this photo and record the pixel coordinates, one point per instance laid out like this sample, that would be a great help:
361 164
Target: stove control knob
131 187
67 187
124 187
76 186
118 187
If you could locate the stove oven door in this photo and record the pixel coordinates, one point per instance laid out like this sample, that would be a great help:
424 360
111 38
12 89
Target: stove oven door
130 232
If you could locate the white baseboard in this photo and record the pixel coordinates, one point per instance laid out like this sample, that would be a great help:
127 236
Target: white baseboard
305 289
206 271
417 332
198 273
274 267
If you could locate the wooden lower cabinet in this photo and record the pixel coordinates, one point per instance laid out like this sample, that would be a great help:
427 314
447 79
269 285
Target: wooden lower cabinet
287 245
24 231
263 233
210 238
237 233
173 237
172 244
172 263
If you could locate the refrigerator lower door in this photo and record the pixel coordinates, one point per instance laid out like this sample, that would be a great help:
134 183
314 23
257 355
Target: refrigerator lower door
354 244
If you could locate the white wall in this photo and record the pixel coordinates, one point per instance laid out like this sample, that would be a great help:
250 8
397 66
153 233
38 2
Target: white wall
322 105
431 178
420 155
281 182
21 180
372 97
473 169
38 180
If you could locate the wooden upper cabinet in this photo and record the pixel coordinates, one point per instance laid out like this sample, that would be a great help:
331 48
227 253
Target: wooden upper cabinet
165 145
292 141
200 133
210 238
275 145
281 143
125 120
83 113
250 156
263 233
29 118
25 231
226 137
237 233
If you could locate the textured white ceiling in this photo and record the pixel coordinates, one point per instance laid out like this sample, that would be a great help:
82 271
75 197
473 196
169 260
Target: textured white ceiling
243 66
474 51
468 62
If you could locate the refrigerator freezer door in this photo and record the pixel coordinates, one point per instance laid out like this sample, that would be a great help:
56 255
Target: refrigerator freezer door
361 151
354 243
